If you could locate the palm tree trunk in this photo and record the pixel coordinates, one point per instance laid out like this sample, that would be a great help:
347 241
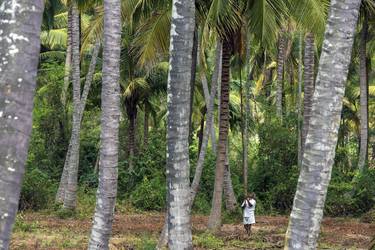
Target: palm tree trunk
192 81
19 49
280 74
209 125
207 95
179 91
68 60
246 120
309 86
299 97
89 77
214 222
107 190
229 196
319 152
363 151
71 188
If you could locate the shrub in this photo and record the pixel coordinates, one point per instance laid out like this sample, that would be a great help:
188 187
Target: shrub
149 194
37 190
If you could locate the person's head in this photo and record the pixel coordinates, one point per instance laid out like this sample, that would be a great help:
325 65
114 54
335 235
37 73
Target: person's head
250 196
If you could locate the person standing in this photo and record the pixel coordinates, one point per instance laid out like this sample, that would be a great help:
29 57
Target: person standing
248 206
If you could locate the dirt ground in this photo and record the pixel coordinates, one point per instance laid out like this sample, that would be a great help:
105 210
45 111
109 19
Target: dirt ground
140 231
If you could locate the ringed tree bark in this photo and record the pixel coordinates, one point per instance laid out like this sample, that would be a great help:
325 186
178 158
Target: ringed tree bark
206 135
280 73
309 63
70 196
179 91
214 221
363 151
19 52
89 78
321 141
107 190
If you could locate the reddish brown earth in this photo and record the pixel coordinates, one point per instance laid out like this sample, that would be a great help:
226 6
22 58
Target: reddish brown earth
338 232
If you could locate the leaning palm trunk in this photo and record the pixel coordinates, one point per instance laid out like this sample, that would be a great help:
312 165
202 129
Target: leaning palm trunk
214 221
89 78
179 91
70 196
107 190
363 151
321 141
308 86
19 49
209 125
208 95
280 74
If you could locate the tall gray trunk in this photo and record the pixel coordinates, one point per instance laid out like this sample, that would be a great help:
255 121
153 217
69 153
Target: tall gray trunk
363 151
299 97
70 197
89 78
229 196
209 125
179 91
214 221
19 52
280 73
68 60
308 86
207 94
321 141
107 190
206 134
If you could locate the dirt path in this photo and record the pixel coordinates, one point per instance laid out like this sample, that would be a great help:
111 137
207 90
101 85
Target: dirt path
49 232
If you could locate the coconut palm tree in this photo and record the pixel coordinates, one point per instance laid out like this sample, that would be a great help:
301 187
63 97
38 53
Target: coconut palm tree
307 213
70 196
107 190
19 49
178 200
309 73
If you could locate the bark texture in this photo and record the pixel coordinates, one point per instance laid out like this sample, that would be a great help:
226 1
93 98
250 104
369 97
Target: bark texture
363 151
280 73
89 78
107 190
68 59
209 124
179 91
321 141
309 63
70 197
214 221
229 196
299 97
19 52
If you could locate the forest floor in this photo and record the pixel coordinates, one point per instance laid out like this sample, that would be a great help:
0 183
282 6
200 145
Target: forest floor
141 230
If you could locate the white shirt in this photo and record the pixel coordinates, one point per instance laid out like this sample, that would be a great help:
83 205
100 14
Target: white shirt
248 210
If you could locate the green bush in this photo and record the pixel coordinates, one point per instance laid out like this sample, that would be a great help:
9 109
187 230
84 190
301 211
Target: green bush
37 190
149 194
208 241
